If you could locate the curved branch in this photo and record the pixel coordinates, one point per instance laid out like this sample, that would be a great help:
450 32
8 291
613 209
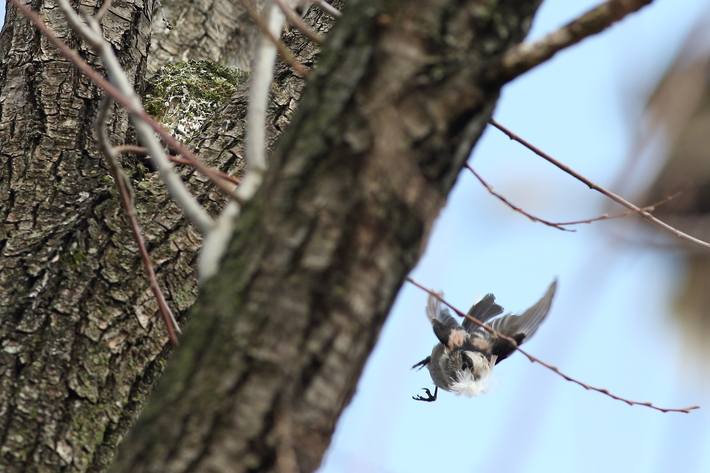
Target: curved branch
525 56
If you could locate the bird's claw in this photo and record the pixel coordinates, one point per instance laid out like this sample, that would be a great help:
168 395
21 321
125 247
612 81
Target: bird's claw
429 398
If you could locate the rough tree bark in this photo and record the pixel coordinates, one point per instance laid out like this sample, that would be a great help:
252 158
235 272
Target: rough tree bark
215 30
277 341
79 348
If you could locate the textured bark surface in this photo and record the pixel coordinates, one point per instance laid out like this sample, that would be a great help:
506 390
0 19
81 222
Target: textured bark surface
216 30
279 338
81 344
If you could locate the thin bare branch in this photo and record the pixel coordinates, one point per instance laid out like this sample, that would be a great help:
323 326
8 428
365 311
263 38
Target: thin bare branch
262 76
103 10
296 20
263 25
515 207
126 192
328 8
649 209
135 149
525 56
175 159
600 189
561 225
114 93
215 243
222 174
546 365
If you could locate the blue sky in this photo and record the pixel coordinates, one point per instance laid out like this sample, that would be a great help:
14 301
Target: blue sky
609 325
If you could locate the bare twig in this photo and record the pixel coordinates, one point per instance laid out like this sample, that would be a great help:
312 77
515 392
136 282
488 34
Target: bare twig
175 159
298 22
262 76
141 150
649 208
328 8
263 25
119 97
523 57
103 10
546 365
215 243
600 189
515 207
561 225
126 192
222 174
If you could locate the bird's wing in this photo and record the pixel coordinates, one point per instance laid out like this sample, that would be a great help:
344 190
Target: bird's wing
518 327
483 310
444 324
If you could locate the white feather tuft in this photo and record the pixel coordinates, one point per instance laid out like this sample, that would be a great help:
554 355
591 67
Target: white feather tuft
468 385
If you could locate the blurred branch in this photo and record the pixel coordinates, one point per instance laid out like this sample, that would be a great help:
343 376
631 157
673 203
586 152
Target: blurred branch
215 243
514 207
523 57
328 8
619 200
298 22
143 151
546 365
285 53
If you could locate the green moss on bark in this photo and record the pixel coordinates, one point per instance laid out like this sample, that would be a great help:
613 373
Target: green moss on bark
183 96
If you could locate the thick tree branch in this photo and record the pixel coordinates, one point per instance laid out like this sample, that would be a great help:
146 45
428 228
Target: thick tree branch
525 56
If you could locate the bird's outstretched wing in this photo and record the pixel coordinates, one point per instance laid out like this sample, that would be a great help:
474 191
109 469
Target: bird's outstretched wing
483 310
518 327
442 321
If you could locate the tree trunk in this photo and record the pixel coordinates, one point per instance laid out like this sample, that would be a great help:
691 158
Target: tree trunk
81 346
216 30
278 339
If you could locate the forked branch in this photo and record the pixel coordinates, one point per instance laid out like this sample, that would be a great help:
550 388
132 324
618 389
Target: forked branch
526 56
592 185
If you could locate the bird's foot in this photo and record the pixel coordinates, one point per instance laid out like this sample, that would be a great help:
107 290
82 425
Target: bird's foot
429 398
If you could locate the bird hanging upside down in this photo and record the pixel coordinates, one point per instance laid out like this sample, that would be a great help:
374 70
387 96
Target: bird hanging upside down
463 362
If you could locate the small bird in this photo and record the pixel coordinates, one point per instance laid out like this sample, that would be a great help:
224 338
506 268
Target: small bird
463 362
